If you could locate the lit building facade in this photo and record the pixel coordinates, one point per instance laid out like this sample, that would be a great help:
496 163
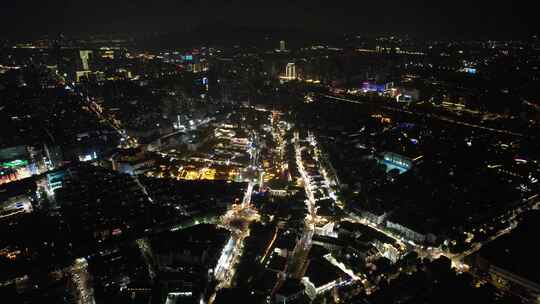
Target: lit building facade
290 71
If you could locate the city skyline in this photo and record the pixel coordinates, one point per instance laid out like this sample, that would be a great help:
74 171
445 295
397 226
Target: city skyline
289 152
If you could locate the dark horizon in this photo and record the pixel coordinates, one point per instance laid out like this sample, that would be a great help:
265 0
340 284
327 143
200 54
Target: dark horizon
422 19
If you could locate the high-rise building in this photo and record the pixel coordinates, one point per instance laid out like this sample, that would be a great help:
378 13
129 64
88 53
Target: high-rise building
85 58
282 46
290 71
74 64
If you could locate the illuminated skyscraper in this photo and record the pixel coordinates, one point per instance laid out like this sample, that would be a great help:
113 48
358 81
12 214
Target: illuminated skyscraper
282 47
290 71
85 57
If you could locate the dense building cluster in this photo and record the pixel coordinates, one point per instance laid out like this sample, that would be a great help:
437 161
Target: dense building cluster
348 170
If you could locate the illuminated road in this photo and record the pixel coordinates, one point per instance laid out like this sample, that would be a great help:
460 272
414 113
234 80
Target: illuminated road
98 111
113 123
427 115
232 251
303 245
434 253
148 256
311 198
142 187
326 167
340 283
223 270
84 292
356 219
270 245
247 196
531 202
225 260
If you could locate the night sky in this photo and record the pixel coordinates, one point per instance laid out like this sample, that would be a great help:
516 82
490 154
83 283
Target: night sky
453 19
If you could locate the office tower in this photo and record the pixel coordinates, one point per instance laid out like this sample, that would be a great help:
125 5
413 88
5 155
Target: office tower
290 71
282 46
85 57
